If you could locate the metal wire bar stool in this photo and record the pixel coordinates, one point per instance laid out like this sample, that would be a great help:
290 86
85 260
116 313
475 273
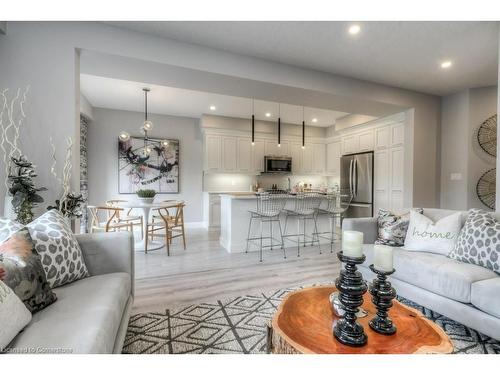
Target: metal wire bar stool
269 207
336 206
305 208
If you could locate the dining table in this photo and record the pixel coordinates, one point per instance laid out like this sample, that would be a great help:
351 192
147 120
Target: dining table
140 245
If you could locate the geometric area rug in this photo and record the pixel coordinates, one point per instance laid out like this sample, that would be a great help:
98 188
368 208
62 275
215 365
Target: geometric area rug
238 326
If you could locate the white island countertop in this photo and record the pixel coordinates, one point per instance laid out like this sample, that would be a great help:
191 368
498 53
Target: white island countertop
235 217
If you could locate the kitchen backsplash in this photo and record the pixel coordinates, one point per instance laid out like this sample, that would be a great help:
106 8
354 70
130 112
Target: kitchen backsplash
241 182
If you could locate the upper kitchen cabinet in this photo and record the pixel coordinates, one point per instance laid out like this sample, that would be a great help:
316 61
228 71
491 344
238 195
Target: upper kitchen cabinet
272 148
397 135
245 160
350 144
365 141
307 159
333 154
296 154
213 160
258 153
359 142
319 158
229 154
382 138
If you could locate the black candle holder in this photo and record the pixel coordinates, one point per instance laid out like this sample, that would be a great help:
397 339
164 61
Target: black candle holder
351 287
382 295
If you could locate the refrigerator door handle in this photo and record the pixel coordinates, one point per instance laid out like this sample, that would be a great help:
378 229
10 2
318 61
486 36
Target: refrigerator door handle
350 178
355 177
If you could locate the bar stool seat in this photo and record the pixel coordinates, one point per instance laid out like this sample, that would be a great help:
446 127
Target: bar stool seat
269 208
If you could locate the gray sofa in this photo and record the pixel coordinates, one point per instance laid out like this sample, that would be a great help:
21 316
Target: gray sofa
90 315
466 293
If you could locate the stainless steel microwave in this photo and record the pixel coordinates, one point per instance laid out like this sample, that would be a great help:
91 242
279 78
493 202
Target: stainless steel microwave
277 164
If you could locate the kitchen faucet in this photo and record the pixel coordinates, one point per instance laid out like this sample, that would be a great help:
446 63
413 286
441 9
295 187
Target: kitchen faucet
289 184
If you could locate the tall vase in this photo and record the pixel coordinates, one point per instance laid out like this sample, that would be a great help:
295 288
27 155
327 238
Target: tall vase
8 209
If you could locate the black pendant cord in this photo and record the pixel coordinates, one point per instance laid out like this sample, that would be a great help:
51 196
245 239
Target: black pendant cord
253 122
279 124
303 134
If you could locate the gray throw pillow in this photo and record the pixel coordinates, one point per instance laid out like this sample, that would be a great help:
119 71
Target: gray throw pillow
479 241
56 244
392 228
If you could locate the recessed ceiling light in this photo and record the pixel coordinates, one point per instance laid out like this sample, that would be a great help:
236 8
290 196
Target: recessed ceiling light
213 108
268 114
354 29
315 120
446 64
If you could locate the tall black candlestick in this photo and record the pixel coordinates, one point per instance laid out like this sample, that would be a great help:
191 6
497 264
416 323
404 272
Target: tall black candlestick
351 288
382 295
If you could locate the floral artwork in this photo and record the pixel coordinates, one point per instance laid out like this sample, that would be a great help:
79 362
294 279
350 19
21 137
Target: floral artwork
151 164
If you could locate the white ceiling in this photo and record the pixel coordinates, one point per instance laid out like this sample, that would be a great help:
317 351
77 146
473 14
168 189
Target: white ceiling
401 54
118 94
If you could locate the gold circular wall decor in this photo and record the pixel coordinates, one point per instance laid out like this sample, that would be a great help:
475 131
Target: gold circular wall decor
487 135
486 188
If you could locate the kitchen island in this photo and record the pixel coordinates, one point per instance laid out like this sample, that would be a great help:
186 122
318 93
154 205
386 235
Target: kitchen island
235 217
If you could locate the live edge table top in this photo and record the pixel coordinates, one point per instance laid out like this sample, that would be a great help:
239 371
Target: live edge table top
304 324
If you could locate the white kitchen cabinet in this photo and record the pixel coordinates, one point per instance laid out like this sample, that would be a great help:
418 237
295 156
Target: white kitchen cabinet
382 180
214 211
382 138
333 154
296 154
229 154
245 161
397 135
397 177
272 148
365 141
307 159
350 144
213 158
258 153
319 158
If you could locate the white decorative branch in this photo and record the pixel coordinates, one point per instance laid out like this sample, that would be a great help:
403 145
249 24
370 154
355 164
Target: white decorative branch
10 126
66 173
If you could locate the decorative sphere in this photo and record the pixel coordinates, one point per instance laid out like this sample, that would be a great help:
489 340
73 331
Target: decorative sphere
164 143
148 125
124 136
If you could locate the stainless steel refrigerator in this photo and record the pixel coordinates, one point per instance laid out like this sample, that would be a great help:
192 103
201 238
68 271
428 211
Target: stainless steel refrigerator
356 177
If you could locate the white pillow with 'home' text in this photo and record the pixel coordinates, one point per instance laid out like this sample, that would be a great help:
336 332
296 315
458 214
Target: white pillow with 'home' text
434 237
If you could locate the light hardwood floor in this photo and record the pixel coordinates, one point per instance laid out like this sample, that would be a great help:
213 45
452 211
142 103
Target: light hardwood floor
206 272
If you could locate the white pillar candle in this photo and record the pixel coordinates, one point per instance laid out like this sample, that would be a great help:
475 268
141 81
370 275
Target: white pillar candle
382 258
352 243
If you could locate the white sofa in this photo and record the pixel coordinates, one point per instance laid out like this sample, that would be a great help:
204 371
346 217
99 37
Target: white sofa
466 293
90 315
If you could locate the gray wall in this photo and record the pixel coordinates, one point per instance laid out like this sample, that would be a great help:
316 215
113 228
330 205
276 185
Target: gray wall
462 113
46 56
103 160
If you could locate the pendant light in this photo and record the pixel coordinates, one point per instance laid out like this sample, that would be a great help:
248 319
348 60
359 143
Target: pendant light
253 122
279 125
147 125
303 130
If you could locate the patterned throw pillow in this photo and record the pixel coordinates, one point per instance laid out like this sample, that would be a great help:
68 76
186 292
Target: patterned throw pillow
392 228
479 241
24 271
61 255
13 315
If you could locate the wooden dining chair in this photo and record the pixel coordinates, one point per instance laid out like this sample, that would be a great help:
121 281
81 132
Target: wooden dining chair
172 224
111 223
127 216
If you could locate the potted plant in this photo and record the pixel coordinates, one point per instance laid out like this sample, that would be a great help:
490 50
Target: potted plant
23 190
146 195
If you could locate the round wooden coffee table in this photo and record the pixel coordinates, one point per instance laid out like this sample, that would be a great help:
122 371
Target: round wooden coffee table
304 323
